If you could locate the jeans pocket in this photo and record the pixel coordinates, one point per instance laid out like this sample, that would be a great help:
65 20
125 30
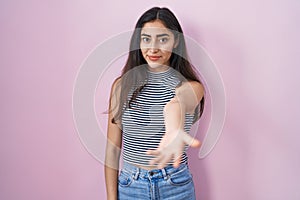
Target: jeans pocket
125 179
181 177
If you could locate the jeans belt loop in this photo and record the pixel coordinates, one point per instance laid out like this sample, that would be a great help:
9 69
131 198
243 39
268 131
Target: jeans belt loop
136 173
165 175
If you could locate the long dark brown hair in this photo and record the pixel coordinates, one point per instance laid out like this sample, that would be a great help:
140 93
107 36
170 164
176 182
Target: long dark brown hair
136 64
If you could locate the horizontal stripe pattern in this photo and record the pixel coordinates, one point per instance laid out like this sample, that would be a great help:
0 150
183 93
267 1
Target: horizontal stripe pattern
143 124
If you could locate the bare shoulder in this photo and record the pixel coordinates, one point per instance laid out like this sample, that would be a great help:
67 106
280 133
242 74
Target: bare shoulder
114 99
189 87
115 90
195 85
116 84
189 93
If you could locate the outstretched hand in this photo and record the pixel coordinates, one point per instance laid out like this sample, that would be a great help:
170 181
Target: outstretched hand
171 148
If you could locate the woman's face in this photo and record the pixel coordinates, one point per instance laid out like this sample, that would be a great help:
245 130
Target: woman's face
157 43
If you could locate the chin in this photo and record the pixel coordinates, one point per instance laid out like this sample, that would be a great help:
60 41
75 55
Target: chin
154 65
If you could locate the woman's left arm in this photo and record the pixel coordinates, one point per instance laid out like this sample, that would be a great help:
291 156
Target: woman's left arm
171 147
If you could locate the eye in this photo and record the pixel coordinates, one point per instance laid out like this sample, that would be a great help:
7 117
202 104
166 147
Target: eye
145 39
163 40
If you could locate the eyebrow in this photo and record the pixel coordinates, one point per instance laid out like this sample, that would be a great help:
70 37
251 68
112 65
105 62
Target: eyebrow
159 35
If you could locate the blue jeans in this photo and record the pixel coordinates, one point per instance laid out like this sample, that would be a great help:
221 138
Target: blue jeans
159 184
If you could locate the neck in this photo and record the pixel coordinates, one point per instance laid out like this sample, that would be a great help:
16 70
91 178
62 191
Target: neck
158 69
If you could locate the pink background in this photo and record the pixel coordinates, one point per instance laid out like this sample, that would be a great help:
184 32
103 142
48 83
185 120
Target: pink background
254 43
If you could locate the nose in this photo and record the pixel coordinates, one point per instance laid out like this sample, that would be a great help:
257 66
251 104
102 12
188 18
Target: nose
153 47
153 50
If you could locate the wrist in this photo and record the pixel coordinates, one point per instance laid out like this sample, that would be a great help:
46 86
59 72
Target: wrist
111 197
175 131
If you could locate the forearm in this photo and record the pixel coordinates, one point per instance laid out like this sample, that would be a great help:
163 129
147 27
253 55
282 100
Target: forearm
174 115
113 145
175 139
112 171
111 180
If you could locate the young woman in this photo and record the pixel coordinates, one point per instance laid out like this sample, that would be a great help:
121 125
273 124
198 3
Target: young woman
152 107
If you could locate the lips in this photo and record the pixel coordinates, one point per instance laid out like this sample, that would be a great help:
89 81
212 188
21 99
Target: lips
154 58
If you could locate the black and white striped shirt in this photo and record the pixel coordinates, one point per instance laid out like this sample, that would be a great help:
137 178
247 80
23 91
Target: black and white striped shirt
143 124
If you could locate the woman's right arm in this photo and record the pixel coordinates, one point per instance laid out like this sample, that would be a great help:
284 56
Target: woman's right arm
113 145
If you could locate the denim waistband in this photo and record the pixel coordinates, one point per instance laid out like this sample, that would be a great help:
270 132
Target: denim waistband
154 173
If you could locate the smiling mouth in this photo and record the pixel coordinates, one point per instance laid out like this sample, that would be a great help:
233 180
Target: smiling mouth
153 58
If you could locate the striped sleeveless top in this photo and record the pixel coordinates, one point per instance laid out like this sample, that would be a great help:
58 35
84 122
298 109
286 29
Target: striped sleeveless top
143 124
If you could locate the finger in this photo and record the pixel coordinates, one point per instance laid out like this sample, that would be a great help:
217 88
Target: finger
192 142
153 152
177 159
163 162
195 143
176 163
157 159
